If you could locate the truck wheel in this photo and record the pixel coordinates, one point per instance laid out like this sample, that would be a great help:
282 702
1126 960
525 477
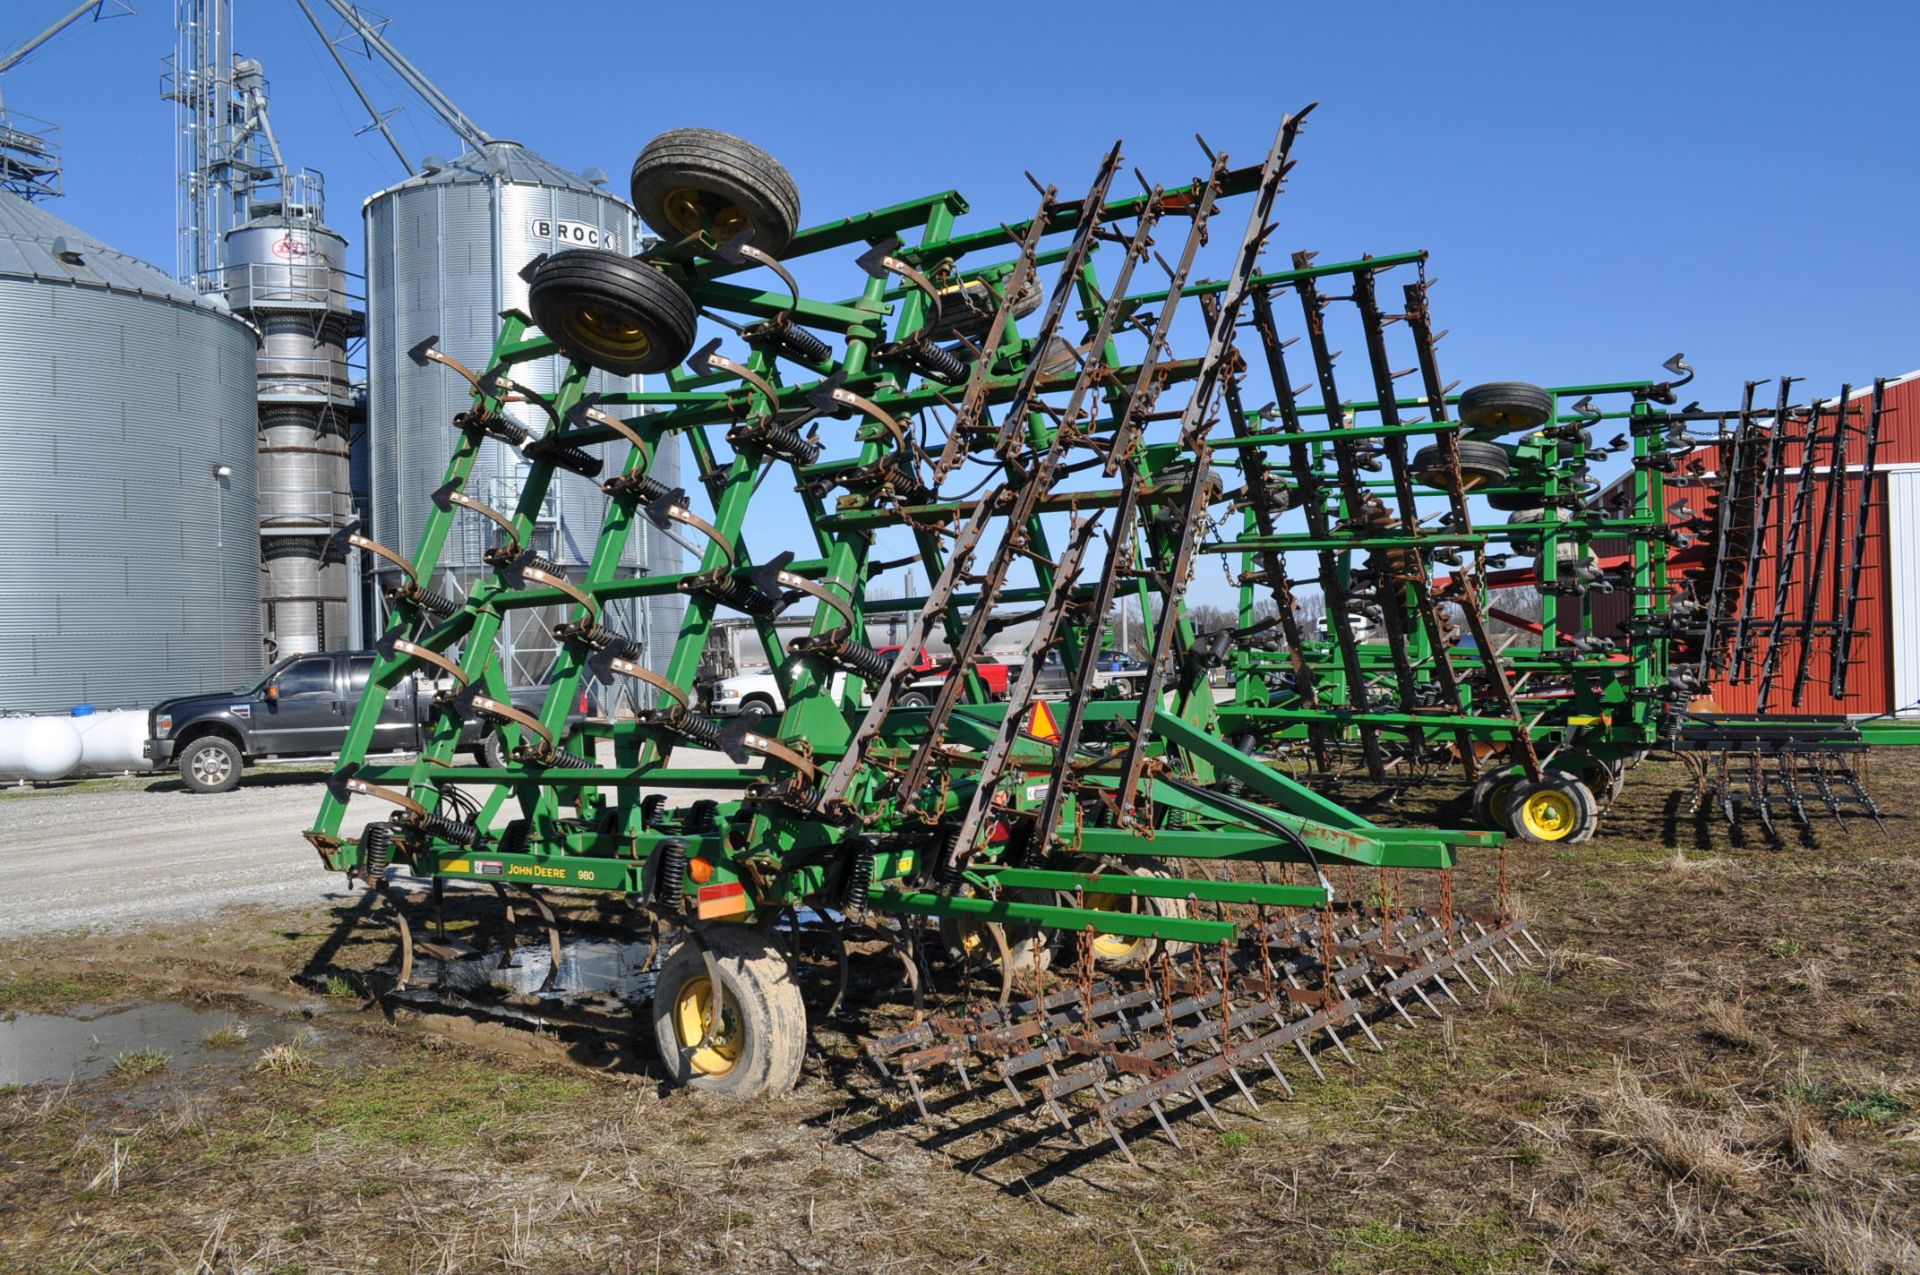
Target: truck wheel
1505 406
692 181
1490 793
493 753
761 1039
1124 951
913 699
612 312
211 764
756 706
1558 808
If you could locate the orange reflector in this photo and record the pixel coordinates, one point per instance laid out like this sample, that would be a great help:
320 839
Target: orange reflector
1041 724
722 900
701 871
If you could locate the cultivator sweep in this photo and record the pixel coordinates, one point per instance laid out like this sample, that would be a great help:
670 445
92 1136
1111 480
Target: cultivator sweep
1155 897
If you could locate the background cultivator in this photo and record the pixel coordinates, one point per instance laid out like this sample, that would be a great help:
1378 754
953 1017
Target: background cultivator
1048 420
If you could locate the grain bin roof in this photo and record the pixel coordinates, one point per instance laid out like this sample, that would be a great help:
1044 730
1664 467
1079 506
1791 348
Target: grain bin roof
507 161
35 244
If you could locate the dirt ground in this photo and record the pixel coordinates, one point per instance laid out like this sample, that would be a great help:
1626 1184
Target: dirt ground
1718 1070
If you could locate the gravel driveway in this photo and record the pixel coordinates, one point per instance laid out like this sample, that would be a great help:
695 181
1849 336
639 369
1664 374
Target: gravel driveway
127 854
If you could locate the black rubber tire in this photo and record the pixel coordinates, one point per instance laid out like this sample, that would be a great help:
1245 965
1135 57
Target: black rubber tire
756 706
1135 953
1481 464
960 938
211 764
1506 406
493 753
913 699
612 312
1515 501
967 310
1581 812
685 177
763 1006
1490 793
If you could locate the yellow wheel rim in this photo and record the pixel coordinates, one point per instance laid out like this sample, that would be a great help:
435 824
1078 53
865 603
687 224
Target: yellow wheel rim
1113 947
1549 815
605 333
1497 800
691 211
690 1009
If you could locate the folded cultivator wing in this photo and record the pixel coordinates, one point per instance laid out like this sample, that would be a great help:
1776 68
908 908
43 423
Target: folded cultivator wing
1059 421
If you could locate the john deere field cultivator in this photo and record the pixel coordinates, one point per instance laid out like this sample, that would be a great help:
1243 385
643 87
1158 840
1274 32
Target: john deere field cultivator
1020 412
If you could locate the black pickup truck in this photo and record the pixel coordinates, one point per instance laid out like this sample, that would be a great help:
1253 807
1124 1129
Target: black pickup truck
301 707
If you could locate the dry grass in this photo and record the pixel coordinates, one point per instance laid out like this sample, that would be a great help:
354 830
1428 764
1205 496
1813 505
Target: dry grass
287 1059
1628 1118
1719 1068
1843 1239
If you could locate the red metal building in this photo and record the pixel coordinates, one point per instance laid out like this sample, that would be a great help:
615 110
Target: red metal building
1884 657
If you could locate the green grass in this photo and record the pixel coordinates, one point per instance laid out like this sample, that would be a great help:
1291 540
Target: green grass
227 1036
59 991
339 985
141 1062
1477 1246
1874 1106
437 1108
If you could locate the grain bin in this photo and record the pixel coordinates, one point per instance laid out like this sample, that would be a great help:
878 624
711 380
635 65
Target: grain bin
132 569
444 252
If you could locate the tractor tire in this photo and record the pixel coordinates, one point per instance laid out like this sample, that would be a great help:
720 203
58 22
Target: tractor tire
1115 951
612 312
1481 465
1557 809
211 764
1515 501
699 181
762 1039
1506 407
1490 793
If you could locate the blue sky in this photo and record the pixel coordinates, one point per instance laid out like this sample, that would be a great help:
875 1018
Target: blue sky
1600 184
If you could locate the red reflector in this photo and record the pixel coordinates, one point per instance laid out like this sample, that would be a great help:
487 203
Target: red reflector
998 832
726 891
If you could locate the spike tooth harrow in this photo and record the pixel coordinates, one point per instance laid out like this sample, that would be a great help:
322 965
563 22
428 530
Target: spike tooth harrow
1112 1047
956 821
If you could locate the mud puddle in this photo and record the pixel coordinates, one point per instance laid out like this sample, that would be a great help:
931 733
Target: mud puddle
52 1049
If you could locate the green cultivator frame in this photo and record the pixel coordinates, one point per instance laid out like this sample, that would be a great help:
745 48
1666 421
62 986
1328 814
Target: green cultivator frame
1008 411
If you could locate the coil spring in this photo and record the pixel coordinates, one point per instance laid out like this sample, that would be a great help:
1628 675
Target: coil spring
940 364
740 595
701 730
494 425
794 342
643 488
702 816
650 809
617 644
782 440
853 897
540 562
376 852
864 660
460 834
671 882
435 604
566 456
1176 819
561 759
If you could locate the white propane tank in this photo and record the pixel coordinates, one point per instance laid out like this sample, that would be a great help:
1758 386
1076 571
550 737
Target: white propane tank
38 747
113 741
